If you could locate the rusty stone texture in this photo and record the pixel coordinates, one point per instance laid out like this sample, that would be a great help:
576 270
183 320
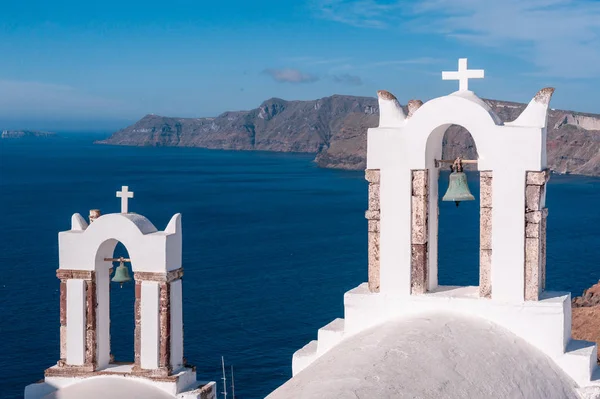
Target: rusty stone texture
420 182
165 326
419 269
385 95
485 188
543 250
66 274
536 216
374 226
420 215
374 265
63 303
372 175
485 228
485 273
90 317
372 215
538 178
532 269
63 343
137 344
532 230
533 198
159 277
413 106
374 197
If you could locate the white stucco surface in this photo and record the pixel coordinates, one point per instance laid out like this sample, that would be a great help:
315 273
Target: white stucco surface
150 338
150 250
110 387
76 322
438 355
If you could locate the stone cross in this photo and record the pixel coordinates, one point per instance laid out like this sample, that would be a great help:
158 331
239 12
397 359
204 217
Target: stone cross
463 75
124 194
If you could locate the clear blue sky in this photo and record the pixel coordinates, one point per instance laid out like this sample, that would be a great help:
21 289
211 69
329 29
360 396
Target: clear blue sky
96 64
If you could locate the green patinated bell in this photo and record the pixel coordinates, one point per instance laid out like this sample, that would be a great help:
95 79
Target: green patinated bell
121 275
458 189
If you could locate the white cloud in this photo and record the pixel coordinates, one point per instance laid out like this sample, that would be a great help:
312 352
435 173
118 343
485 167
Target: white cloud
290 75
560 37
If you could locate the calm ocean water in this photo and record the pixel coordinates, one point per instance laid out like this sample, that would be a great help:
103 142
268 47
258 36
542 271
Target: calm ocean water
271 243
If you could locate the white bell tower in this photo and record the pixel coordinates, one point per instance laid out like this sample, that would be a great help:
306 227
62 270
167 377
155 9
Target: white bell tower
85 253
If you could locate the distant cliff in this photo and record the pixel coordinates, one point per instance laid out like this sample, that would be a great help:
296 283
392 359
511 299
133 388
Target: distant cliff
19 134
335 129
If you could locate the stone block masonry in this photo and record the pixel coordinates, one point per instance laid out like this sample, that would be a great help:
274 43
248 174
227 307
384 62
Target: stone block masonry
485 234
373 216
535 234
419 231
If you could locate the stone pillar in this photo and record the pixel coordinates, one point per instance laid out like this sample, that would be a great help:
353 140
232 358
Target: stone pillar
137 345
153 309
63 322
535 234
373 217
88 328
165 327
419 231
485 234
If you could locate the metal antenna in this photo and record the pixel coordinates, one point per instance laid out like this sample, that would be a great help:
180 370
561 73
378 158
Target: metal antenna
232 384
224 379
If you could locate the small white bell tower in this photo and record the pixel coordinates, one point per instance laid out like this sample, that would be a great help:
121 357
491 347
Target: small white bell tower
85 253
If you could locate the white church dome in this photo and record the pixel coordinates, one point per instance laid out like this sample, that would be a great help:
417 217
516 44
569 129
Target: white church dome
431 356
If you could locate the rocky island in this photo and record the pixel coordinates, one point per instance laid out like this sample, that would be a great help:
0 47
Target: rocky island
20 134
335 130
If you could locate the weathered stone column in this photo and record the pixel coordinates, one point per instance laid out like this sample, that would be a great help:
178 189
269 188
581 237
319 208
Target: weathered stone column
485 234
419 231
63 322
154 309
373 217
138 326
165 327
535 234
90 330
88 278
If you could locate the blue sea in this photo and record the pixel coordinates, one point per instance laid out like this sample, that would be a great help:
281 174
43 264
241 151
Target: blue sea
271 243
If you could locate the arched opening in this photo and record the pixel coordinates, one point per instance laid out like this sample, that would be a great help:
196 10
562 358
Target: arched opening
453 254
458 227
122 317
115 315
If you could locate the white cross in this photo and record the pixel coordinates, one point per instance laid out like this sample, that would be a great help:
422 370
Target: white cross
124 194
463 75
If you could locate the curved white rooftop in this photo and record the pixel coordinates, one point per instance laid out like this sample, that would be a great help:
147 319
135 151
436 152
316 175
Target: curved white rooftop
109 387
433 356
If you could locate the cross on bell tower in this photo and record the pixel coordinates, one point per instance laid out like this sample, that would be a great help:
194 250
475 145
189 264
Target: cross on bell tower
463 74
124 194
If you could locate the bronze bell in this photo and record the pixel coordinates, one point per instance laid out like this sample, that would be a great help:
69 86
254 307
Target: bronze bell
458 189
121 274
